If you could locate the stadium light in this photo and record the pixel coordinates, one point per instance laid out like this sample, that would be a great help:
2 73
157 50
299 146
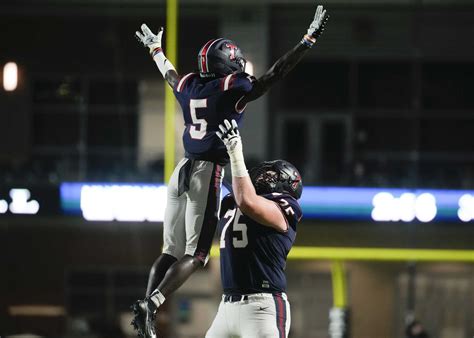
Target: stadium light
10 76
3 206
21 204
466 208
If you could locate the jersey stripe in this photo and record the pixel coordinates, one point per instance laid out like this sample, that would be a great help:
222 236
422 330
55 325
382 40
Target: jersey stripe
181 82
209 222
227 81
204 56
237 109
280 307
204 50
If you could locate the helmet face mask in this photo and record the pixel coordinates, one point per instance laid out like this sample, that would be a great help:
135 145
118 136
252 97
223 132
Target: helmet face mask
220 57
277 177
242 63
264 178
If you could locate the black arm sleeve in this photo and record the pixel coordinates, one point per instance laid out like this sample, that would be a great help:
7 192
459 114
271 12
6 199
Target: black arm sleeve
276 73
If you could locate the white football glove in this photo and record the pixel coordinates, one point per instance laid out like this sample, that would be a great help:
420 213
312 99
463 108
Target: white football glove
317 26
149 39
229 134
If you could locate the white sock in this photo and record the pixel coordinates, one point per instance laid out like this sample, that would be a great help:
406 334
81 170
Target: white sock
157 298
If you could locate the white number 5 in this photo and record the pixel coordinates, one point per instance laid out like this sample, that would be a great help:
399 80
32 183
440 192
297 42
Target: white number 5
196 133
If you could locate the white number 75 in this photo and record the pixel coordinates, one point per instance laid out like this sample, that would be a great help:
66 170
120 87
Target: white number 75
237 226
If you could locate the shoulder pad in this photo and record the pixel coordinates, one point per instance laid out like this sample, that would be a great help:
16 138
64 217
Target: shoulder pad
182 82
289 206
239 81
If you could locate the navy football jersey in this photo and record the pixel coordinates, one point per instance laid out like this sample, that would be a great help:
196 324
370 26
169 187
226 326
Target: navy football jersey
253 256
205 104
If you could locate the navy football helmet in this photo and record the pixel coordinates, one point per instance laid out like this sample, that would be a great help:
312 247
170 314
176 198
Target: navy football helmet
277 176
220 57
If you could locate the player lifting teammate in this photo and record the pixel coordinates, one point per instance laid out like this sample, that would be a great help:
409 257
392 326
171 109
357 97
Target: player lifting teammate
221 90
257 230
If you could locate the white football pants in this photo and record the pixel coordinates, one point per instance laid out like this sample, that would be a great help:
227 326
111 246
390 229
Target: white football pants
262 315
191 218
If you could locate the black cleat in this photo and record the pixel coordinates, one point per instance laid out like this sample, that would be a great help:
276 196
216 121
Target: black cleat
144 320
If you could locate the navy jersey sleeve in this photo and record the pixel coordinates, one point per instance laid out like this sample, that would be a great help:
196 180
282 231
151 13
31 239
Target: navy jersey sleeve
241 82
290 208
237 85
183 83
226 204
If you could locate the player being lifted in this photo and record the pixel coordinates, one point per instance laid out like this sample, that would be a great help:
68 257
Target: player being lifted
221 90
257 230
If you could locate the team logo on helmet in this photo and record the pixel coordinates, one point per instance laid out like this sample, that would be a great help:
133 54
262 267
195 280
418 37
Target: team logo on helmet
232 48
296 181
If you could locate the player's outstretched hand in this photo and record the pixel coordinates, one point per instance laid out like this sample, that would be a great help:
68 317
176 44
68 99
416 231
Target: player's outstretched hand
229 134
148 39
317 26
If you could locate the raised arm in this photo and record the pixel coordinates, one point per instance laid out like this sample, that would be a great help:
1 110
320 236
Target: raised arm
258 208
286 63
153 42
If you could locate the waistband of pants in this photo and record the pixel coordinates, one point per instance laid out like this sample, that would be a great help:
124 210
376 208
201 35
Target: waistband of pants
251 297
220 159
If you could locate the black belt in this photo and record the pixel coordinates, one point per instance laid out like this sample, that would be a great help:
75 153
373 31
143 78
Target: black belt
235 298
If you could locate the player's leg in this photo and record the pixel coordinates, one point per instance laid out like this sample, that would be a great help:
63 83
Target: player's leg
202 209
177 274
174 240
158 271
174 232
220 326
266 318
203 199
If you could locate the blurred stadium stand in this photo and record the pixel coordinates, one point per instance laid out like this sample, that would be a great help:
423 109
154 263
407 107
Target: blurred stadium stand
389 103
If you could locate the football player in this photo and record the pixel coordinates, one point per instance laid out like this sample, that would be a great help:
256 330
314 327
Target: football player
220 90
257 230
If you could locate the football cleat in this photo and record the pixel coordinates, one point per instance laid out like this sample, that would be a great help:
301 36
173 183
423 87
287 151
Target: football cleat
144 312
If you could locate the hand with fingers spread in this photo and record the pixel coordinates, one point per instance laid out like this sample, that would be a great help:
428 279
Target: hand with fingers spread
149 39
153 42
229 134
316 27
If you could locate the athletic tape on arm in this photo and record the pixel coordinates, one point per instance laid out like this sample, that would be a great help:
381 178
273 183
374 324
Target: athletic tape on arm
237 161
164 65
